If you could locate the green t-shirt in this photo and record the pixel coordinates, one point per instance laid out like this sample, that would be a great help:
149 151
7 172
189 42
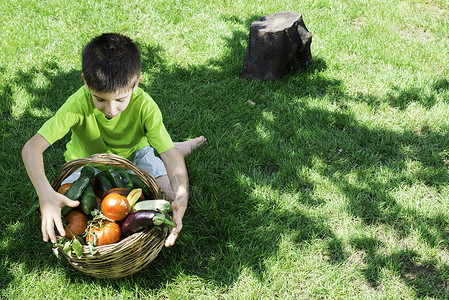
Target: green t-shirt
139 125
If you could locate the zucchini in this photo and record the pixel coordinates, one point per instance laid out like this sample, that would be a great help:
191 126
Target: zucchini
88 199
104 182
120 178
159 205
78 187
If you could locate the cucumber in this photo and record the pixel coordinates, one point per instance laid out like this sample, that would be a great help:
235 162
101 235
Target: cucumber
65 210
103 181
88 199
120 178
138 183
78 187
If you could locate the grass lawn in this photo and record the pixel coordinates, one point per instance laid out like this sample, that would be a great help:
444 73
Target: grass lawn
334 185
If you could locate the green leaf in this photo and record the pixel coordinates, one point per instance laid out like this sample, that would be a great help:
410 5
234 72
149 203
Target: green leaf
78 248
68 248
81 240
56 251
61 242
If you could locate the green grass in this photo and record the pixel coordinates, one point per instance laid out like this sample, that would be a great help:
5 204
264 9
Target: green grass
333 185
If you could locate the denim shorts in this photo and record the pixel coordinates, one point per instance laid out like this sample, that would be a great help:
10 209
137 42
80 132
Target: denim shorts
146 159
143 158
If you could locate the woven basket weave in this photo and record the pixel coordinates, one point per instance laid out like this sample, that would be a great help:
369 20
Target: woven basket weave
131 254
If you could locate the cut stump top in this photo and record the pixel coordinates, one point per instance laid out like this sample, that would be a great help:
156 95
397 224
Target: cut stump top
277 21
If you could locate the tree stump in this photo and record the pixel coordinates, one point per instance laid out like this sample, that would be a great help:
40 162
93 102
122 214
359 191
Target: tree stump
277 44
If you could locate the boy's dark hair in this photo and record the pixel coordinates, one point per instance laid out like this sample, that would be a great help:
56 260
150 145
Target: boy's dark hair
111 62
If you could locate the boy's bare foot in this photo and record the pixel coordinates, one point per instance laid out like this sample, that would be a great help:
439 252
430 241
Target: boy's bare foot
185 148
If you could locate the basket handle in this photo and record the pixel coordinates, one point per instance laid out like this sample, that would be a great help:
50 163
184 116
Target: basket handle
109 159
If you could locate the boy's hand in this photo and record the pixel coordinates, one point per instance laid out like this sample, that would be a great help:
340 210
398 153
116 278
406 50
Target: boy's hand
178 213
50 207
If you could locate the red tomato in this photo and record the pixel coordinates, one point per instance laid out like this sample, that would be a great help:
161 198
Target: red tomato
109 233
115 206
75 224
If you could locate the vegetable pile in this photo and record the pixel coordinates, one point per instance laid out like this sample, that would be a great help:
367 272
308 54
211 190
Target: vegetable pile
113 205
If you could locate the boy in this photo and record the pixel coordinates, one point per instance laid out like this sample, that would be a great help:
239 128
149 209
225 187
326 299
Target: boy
110 114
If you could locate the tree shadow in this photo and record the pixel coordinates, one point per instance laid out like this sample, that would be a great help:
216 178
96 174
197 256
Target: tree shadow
336 138
48 86
349 155
441 85
426 279
243 228
403 98
236 219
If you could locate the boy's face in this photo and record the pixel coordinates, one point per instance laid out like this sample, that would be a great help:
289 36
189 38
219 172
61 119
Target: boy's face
111 104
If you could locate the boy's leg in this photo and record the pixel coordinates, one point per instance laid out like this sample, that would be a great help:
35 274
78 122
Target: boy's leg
185 148
147 160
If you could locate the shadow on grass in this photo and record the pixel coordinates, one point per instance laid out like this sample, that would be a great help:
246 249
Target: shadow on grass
22 247
269 145
259 152
427 279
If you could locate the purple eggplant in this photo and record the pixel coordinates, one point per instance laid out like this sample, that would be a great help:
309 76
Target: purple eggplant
139 220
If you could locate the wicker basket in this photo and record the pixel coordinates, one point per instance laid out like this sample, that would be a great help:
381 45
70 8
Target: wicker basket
131 254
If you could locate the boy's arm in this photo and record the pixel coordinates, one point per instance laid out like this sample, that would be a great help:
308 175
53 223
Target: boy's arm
50 201
179 181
